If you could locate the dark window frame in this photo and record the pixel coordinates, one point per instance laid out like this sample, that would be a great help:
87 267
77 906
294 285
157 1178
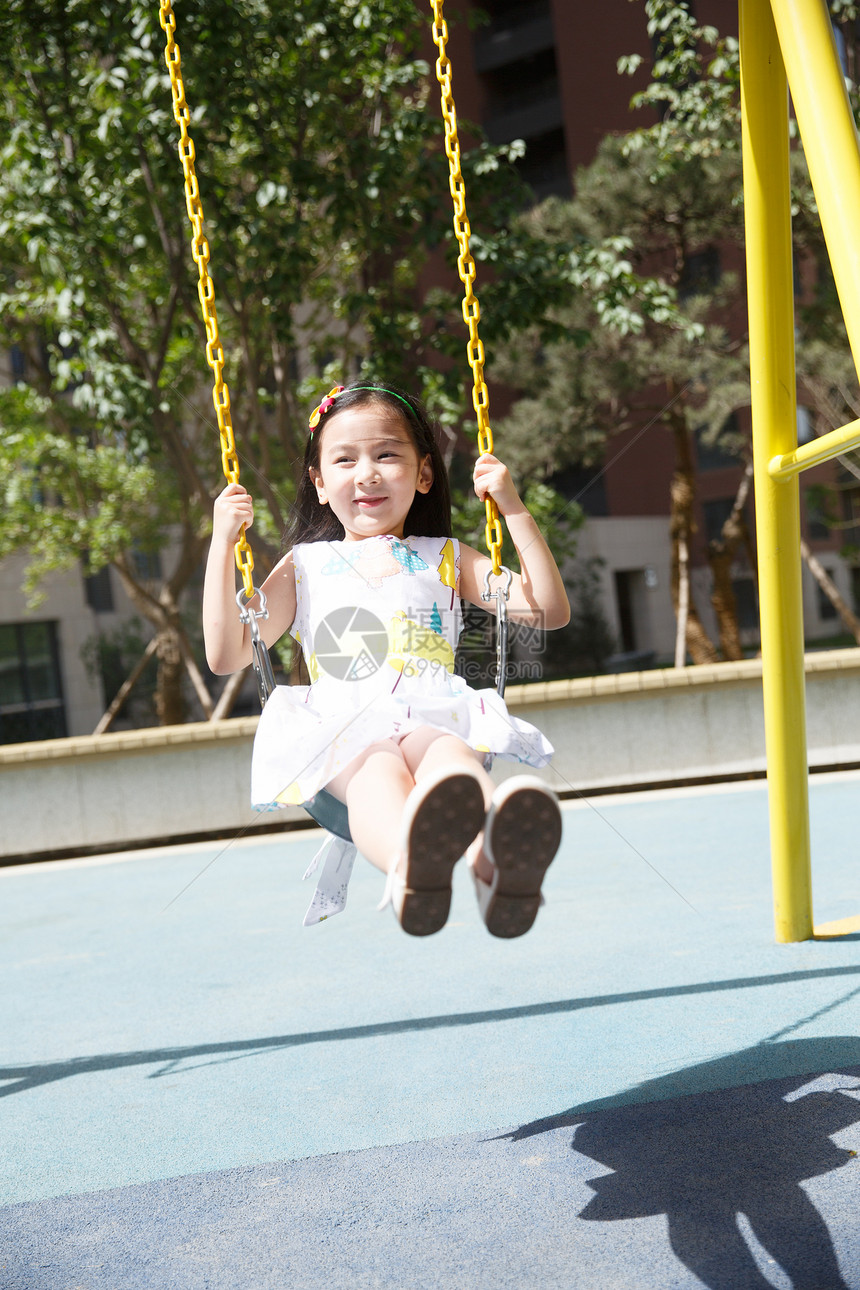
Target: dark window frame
31 718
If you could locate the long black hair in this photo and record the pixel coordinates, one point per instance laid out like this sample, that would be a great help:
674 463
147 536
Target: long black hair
430 513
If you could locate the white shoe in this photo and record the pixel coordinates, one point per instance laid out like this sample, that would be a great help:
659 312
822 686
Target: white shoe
442 815
521 837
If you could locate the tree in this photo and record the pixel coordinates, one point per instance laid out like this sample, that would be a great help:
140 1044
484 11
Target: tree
324 192
604 378
319 193
672 193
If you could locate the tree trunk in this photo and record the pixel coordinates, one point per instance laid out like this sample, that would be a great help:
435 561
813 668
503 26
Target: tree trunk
170 706
204 698
162 612
721 555
125 689
831 591
692 637
228 696
683 609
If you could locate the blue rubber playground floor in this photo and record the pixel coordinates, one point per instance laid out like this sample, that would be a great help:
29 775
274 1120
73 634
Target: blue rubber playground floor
645 1091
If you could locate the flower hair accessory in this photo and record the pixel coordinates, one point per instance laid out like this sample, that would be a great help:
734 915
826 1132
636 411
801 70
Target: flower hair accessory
324 407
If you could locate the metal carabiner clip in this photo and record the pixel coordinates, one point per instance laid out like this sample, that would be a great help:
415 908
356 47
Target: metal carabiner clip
260 661
500 595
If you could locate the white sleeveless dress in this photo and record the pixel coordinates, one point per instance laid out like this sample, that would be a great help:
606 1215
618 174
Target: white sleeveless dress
378 622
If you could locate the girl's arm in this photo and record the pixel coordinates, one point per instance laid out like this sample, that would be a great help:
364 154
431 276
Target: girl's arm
538 596
227 639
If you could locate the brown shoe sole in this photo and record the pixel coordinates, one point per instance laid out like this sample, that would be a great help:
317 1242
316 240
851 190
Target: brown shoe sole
526 835
448 819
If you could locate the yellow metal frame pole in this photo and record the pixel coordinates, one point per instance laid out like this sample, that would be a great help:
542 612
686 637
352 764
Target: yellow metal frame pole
764 101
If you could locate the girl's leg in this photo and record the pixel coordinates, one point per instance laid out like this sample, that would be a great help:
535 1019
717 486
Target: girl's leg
521 836
376 784
524 826
416 832
375 787
426 752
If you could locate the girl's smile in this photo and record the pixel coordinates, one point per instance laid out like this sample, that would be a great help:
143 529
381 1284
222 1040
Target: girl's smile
369 471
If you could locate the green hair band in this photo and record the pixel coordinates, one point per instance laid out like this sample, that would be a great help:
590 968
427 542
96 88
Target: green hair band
339 389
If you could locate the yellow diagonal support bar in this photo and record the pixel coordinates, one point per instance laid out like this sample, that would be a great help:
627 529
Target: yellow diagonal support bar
829 141
831 445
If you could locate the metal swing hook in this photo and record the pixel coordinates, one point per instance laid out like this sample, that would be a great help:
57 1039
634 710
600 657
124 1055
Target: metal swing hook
260 660
500 594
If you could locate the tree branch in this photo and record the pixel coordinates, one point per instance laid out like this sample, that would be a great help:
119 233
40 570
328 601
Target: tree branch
126 688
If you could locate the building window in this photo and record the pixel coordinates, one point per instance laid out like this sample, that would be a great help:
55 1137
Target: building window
716 512
818 517
841 48
851 517
17 364
31 697
544 167
625 580
805 428
98 590
746 603
719 453
585 485
147 564
510 12
520 85
515 59
701 274
516 29
826 607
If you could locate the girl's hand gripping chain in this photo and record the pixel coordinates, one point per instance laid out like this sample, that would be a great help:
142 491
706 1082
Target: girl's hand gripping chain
233 512
538 596
227 640
223 633
492 479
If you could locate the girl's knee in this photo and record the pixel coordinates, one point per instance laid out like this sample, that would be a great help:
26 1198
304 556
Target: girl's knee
428 748
381 758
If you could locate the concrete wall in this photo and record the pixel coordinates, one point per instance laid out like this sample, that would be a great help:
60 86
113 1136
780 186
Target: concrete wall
646 728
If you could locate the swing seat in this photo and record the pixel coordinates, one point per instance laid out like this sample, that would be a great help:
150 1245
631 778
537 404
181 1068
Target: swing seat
329 813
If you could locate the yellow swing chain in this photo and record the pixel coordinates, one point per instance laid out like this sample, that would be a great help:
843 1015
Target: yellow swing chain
466 270
205 289
201 254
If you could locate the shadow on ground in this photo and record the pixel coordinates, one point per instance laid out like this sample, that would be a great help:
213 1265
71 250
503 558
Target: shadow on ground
738 1141
21 1078
722 1149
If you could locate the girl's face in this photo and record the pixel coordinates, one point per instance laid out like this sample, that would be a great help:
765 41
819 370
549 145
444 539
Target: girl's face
369 471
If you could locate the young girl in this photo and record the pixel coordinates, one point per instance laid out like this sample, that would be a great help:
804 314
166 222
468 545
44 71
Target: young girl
370 589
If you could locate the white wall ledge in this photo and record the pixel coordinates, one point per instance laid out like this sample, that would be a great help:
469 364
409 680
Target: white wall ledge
624 729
